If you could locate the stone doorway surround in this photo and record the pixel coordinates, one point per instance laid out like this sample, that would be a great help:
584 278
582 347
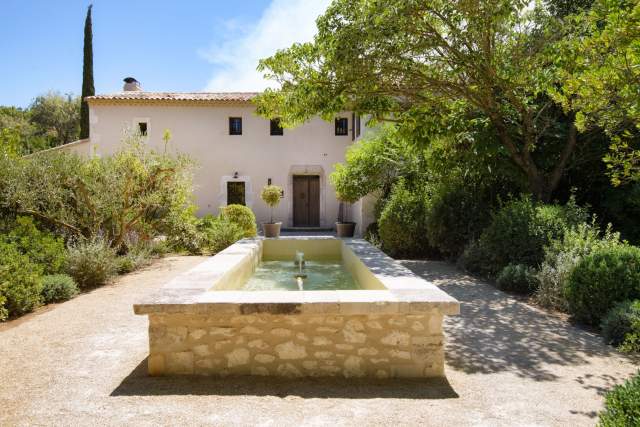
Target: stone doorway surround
306 170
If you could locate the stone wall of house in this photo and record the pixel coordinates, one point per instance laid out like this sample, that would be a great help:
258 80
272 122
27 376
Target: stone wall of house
399 345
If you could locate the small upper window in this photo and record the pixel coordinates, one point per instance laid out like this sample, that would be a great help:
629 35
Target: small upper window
342 126
142 128
275 128
235 125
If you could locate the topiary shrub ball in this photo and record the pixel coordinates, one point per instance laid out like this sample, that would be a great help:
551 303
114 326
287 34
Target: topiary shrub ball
243 217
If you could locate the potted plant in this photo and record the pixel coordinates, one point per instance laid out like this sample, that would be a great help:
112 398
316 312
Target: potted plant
344 227
271 195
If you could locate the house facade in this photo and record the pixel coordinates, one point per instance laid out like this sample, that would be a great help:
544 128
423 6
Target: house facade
236 151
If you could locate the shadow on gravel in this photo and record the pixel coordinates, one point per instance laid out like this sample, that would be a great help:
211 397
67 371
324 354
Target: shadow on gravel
494 332
138 383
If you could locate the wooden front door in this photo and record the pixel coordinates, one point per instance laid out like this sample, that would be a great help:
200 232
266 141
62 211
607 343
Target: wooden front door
306 201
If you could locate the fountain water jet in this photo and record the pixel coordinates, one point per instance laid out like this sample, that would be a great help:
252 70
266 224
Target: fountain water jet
300 275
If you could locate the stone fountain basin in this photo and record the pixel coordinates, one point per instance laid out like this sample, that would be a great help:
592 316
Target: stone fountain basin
200 323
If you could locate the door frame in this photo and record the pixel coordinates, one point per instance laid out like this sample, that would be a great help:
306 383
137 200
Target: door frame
312 209
306 170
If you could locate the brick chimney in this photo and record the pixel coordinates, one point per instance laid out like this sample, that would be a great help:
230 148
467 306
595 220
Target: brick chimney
131 84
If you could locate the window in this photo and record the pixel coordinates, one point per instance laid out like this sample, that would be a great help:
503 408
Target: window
342 126
275 128
235 125
235 193
142 128
357 125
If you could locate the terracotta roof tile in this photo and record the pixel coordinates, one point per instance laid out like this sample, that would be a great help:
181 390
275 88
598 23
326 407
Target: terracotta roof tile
175 96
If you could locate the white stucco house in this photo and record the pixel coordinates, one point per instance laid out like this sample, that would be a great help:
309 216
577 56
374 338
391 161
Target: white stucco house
237 152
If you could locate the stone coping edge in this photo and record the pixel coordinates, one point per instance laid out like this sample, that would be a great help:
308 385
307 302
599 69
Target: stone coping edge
190 292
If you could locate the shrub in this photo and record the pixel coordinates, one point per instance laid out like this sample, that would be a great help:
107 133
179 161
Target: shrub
402 222
182 233
271 195
243 217
4 313
458 213
372 234
517 278
621 325
135 189
219 233
58 287
133 260
602 279
91 263
42 247
561 257
20 281
519 233
622 405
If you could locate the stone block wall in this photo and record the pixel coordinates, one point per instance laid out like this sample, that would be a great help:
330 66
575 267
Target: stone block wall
294 345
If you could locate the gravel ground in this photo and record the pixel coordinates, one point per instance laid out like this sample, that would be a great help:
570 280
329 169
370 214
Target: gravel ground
83 363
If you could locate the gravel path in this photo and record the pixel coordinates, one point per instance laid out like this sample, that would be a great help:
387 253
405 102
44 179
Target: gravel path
83 363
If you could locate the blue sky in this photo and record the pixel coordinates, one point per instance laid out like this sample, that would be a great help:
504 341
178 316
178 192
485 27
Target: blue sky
188 45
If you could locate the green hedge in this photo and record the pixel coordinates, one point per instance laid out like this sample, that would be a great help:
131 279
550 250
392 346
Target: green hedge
600 280
621 326
519 233
401 226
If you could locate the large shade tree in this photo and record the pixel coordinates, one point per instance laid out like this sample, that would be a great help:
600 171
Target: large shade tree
601 79
432 66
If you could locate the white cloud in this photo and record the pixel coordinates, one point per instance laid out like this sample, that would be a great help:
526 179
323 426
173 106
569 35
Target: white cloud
283 23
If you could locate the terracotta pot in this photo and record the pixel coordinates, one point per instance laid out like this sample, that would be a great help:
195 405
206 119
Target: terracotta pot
345 229
271 230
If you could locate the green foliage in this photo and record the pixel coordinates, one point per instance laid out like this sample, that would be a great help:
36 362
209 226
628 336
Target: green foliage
243 217
436 68
134 259
375 163
600 77
458 213
58 287
4 312
135 190
56 117
402 222
601 279
517 278
622 405
42 247
219 233
519 233
271 195
561 257
621 325
91 263
182 232
87 74
20 282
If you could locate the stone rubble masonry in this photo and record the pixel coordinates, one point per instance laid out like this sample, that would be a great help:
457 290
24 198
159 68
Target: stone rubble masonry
202 322
296 345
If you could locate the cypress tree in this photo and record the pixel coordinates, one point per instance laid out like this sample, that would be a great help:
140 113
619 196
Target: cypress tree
87 75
